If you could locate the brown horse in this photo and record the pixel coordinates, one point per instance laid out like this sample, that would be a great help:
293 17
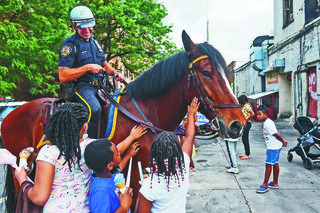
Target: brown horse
163 93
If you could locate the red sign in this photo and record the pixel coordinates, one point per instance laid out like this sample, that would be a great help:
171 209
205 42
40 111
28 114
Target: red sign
272 77
312 89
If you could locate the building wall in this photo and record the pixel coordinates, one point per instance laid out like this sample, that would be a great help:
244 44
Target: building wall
246 81
281 33
299 46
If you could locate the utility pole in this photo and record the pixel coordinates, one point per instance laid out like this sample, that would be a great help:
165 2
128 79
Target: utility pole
207 22
208 29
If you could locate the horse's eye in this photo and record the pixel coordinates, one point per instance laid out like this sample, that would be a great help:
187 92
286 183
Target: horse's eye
206 74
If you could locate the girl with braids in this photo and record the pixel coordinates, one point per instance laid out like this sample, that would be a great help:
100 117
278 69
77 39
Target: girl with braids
165 189
62 181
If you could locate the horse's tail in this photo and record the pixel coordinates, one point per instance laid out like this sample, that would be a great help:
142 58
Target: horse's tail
9 191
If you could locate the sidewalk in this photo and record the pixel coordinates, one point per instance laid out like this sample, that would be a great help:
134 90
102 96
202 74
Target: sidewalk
212 189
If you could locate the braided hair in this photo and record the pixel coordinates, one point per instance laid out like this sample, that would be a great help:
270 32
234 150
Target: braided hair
64 131
166 156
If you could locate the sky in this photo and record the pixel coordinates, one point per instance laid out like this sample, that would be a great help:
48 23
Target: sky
233 24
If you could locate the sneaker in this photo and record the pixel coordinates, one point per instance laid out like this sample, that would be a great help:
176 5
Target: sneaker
270 185
262 189
228 166
233 170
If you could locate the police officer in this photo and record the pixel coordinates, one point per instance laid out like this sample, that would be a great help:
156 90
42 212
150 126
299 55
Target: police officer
81 59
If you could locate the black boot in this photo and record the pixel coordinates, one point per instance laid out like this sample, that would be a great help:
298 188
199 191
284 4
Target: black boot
92 130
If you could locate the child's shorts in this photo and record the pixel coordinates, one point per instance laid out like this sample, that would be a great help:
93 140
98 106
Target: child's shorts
272 156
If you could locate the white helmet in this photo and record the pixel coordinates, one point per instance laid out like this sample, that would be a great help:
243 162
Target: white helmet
82 17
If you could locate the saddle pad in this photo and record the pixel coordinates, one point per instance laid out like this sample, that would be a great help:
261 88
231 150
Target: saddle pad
112 118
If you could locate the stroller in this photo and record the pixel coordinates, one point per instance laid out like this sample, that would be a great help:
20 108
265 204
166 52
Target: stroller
308 146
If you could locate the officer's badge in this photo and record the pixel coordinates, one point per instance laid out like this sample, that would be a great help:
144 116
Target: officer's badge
65 51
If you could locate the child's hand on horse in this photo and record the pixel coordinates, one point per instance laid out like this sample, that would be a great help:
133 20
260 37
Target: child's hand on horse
134 149
138 131
193 108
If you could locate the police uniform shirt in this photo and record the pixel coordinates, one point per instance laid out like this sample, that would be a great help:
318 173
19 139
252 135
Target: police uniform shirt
76 52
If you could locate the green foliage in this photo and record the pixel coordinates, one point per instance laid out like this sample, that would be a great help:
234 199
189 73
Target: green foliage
31 32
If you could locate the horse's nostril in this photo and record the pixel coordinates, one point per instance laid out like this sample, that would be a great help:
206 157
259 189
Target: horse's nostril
235 128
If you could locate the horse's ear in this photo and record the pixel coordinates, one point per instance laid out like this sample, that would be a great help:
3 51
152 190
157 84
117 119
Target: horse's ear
188 44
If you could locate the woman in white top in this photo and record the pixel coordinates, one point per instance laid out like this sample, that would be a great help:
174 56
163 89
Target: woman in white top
165 189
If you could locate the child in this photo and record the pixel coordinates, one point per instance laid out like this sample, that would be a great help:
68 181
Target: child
274 143
165 189
248 114
103 157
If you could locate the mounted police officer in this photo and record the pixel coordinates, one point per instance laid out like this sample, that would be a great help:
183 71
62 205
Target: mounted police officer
81 61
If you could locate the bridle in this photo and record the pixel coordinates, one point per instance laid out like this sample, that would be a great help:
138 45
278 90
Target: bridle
203 96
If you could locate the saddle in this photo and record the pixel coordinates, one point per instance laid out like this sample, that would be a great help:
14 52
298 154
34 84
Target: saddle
50 107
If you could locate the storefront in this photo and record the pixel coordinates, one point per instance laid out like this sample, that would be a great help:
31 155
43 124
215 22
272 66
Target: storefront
269 99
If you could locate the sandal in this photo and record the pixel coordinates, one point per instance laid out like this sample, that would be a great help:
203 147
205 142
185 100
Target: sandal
242 155
245 157
262 189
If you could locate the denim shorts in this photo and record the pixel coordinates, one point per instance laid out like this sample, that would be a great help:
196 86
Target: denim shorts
272 156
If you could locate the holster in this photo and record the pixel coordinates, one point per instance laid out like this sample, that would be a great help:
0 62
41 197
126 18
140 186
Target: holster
68 89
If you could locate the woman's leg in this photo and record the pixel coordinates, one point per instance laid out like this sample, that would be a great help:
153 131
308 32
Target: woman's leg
245 138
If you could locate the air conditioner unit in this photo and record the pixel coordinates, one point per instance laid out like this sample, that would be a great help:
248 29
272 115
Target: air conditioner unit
278 63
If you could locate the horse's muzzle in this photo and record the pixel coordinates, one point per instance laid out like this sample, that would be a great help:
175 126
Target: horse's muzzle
235 129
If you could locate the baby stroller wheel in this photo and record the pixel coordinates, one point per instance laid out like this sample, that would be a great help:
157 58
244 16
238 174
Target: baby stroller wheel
289 157
308 163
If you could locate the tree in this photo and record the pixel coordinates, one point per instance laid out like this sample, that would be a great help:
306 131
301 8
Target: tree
32 31
133 30
30 36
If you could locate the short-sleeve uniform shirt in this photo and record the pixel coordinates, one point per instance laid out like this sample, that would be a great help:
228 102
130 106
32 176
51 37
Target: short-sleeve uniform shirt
76 52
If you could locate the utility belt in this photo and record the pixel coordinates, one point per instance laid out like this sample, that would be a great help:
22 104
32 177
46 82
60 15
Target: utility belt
69 88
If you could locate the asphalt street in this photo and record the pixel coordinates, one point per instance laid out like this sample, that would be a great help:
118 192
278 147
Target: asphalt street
212 189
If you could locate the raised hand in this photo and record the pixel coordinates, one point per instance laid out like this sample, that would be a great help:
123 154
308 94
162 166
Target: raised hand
138 131
193 108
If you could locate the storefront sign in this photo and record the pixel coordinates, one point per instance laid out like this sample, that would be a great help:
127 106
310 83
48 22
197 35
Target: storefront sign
272 77
312 89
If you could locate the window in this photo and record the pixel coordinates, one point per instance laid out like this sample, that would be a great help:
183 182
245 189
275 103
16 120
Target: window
311 10
287 12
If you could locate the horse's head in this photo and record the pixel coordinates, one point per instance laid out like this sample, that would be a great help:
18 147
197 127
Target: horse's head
207 74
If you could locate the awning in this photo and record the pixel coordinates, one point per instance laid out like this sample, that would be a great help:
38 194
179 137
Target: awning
262 94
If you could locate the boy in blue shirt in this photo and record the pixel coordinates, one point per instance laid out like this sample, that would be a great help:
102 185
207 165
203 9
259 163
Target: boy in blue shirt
274 144
103 157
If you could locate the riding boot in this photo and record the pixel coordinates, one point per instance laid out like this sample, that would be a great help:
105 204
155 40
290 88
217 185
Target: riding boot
92 130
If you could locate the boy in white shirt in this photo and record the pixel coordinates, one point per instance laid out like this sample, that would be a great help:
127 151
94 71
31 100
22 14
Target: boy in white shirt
274 144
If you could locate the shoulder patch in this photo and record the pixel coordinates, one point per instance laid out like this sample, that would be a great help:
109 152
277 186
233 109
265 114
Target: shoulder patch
65 50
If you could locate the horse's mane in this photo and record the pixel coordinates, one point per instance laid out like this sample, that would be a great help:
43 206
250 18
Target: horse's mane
169 72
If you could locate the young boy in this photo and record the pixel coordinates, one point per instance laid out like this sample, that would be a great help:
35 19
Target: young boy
274 143
103 158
